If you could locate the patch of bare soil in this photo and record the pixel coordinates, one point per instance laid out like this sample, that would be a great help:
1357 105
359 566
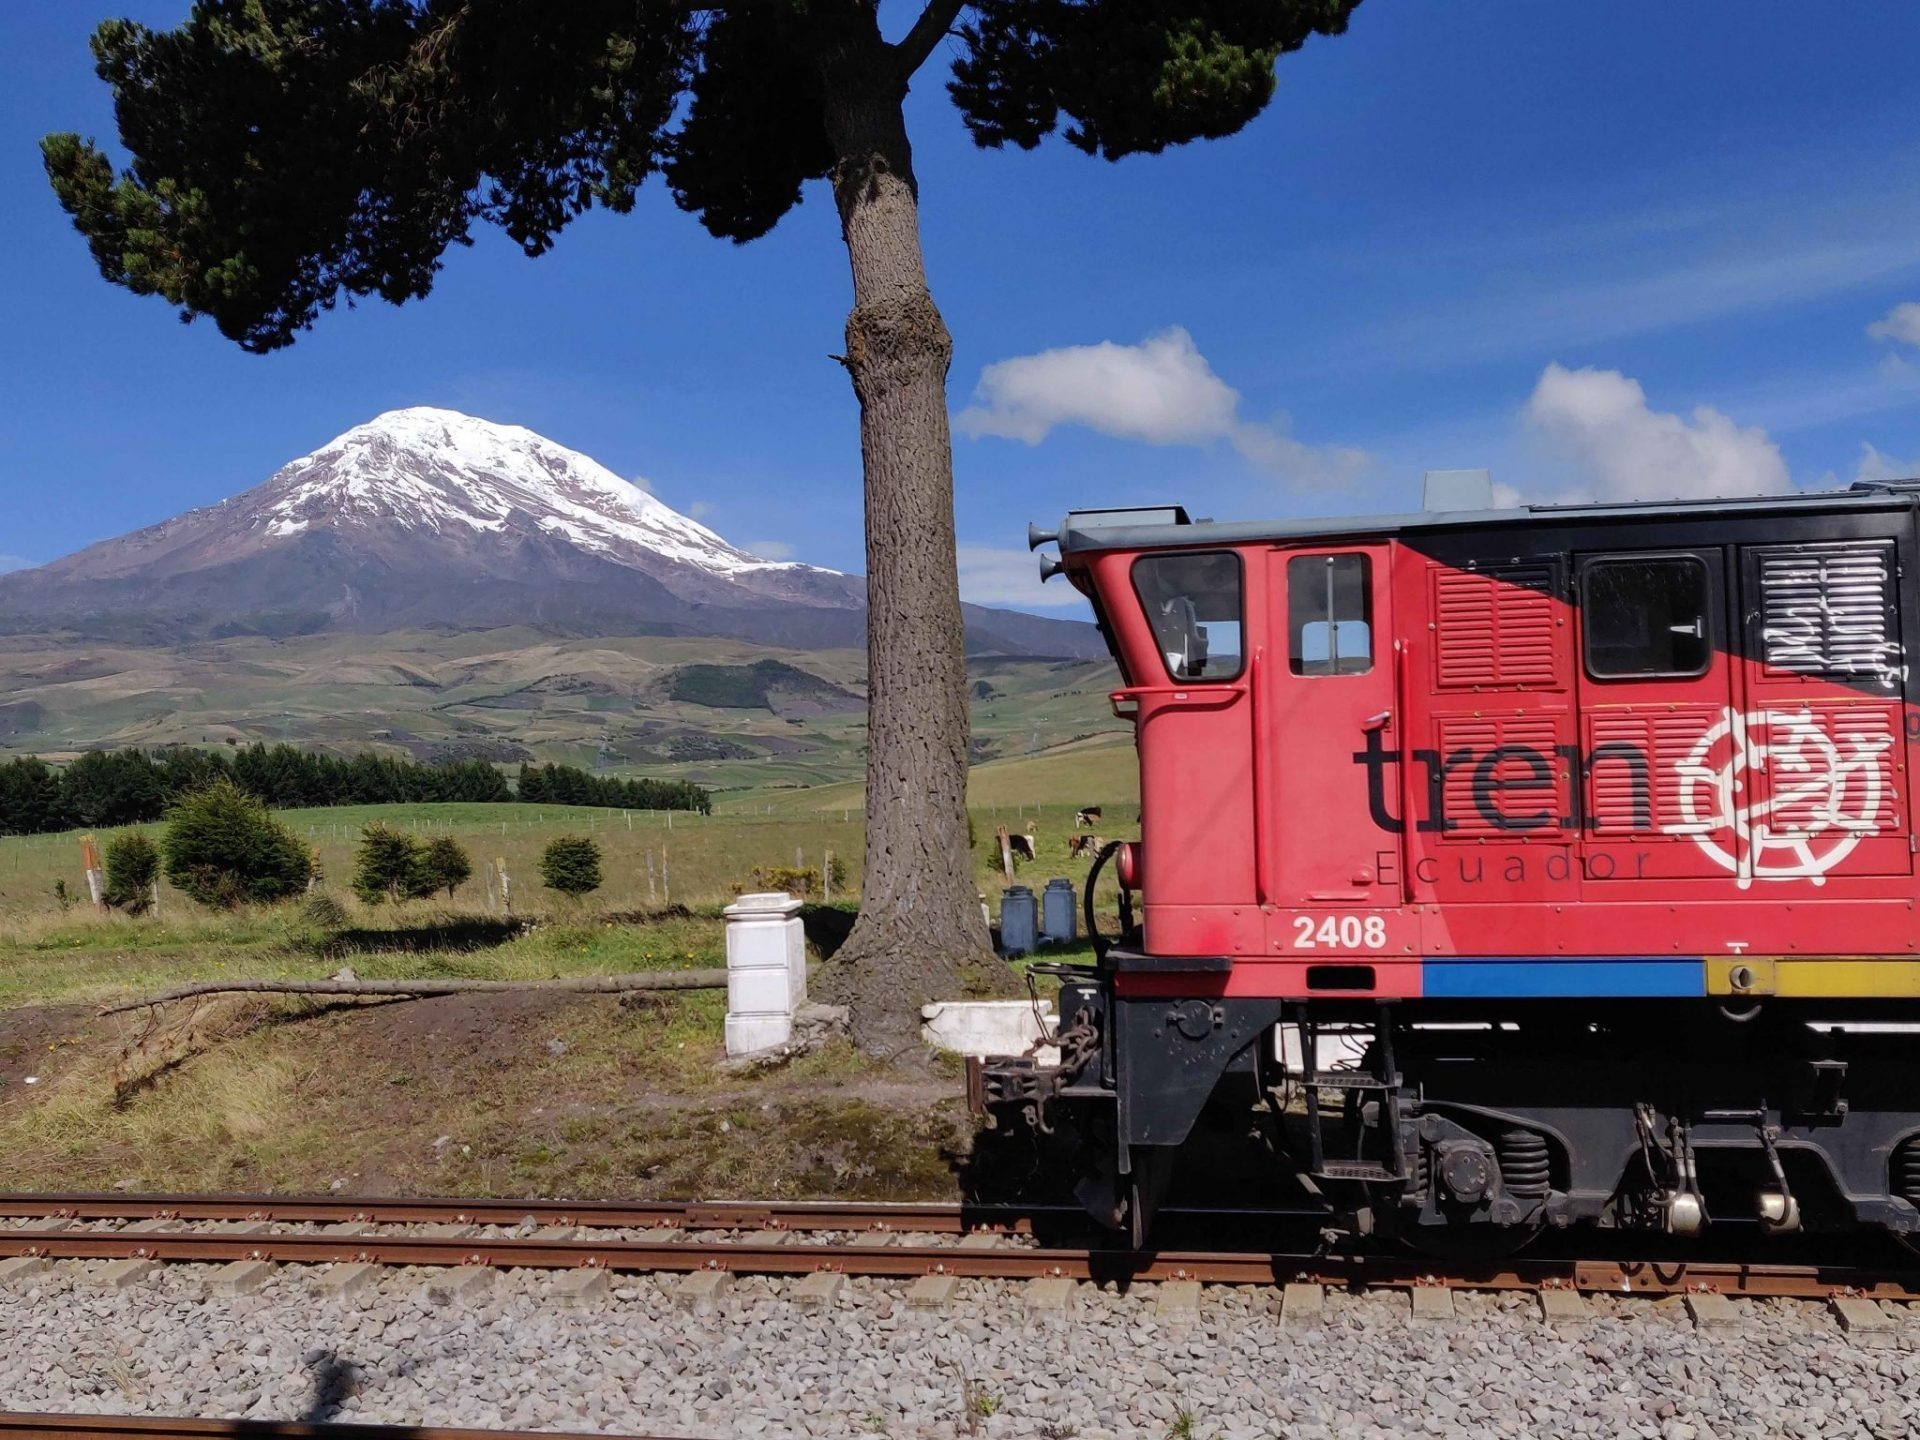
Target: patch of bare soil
38 1044
519 1094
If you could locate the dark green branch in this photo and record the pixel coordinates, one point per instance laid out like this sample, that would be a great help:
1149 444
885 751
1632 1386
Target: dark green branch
933 26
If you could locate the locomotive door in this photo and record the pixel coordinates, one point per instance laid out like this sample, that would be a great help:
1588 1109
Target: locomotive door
1657 696
1820 735
1328 695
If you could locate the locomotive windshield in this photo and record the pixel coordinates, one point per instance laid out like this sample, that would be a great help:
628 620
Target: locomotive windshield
1193 603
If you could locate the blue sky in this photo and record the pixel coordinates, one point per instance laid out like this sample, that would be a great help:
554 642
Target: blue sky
1604 250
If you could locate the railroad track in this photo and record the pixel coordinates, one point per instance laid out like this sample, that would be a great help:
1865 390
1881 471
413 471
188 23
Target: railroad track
800 1239
23 1425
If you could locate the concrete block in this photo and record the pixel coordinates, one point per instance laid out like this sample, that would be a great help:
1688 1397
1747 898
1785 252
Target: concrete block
1302 1304
1710 1310
158 1225
556 1232
980 1240
1050 1294
124 1274
349 1277
986 1027
242 1277
1863 1320
22 1268
242 1227
345 1227
460 1282
819 1290
580 1287
1431 1305
768 1237
701 1291
660 1235
933 1292
872 1240
43 1224
1558 1307
450 1231
1178 1300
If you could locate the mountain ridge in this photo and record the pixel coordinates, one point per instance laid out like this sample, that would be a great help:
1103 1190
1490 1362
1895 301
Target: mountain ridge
428 518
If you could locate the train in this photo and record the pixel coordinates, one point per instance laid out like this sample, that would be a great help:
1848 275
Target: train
1511 870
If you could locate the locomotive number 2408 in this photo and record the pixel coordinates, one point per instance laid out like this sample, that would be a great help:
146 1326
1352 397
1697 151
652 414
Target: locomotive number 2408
1343 932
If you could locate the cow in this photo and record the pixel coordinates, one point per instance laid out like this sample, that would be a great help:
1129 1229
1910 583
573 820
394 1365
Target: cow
1087 818
1078 845
1021 845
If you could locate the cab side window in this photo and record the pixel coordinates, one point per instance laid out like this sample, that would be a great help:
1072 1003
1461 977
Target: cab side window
1193 603
1330 614
1646 616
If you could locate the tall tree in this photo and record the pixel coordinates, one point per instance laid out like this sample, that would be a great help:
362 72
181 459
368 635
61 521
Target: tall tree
288 153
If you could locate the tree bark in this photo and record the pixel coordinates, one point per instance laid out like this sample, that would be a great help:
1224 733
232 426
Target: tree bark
919 933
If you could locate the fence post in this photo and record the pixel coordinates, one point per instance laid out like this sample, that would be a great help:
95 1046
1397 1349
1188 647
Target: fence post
766 971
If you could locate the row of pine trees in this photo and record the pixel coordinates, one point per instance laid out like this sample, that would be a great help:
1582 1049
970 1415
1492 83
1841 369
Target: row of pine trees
105 788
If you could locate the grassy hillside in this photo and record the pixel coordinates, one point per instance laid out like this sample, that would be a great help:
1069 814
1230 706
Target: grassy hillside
728 715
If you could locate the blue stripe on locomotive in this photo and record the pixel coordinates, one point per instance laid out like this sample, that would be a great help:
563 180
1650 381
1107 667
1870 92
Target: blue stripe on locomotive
1556 977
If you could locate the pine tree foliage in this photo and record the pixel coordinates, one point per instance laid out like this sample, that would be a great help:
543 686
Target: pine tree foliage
133 865
224 849
442 865
287 154
386 865
571 865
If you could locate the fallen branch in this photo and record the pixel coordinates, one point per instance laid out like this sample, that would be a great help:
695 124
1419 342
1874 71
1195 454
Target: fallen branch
415 989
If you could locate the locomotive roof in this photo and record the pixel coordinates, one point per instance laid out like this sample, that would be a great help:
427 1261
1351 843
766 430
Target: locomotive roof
1168 526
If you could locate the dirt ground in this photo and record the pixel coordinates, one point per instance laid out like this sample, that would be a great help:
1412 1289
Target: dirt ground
484 1094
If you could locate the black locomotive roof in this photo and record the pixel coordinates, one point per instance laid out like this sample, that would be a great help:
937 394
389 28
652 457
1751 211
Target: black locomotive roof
1168 526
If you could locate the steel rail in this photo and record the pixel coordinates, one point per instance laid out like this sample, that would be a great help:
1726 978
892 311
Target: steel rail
930 1219
25 1425
1120 1268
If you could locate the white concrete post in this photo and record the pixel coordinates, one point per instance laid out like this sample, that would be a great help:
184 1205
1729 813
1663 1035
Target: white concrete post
766 971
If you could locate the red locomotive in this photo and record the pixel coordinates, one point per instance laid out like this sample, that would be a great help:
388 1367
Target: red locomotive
1584 829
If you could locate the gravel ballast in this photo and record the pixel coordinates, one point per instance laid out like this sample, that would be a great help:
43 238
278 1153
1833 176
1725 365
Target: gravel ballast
868 1364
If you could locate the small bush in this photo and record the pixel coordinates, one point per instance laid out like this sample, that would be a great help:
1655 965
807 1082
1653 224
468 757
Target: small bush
323 910
441 865
133 864
571 865
224 849
387 865
788 878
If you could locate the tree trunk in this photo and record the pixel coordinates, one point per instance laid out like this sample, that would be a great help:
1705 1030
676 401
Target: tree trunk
919 935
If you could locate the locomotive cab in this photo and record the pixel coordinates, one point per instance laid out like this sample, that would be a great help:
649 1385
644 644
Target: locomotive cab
1517 869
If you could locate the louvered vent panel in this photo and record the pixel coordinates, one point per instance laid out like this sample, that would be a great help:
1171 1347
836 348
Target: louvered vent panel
1638 765
1829 612
1830 769
1481 736
1494 628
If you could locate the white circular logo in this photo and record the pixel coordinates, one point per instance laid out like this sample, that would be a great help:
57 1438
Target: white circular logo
1820 798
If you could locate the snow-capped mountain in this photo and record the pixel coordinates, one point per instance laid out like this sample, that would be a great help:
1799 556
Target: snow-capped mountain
428 517
439 470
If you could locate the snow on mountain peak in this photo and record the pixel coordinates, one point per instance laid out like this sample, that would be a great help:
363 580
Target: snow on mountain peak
434 469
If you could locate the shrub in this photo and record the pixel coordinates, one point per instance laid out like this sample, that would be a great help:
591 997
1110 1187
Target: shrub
133 864
571 865
224 849
323 910
387 866
789 878
441 865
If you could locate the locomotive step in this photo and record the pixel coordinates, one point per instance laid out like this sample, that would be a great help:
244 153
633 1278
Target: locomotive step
1346 1080
1354 1170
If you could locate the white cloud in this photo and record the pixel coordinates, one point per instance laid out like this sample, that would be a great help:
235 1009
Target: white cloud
990 575
1876 464
640 482
15 562
1902 323
1160 392
769 549
1622 449
699 510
